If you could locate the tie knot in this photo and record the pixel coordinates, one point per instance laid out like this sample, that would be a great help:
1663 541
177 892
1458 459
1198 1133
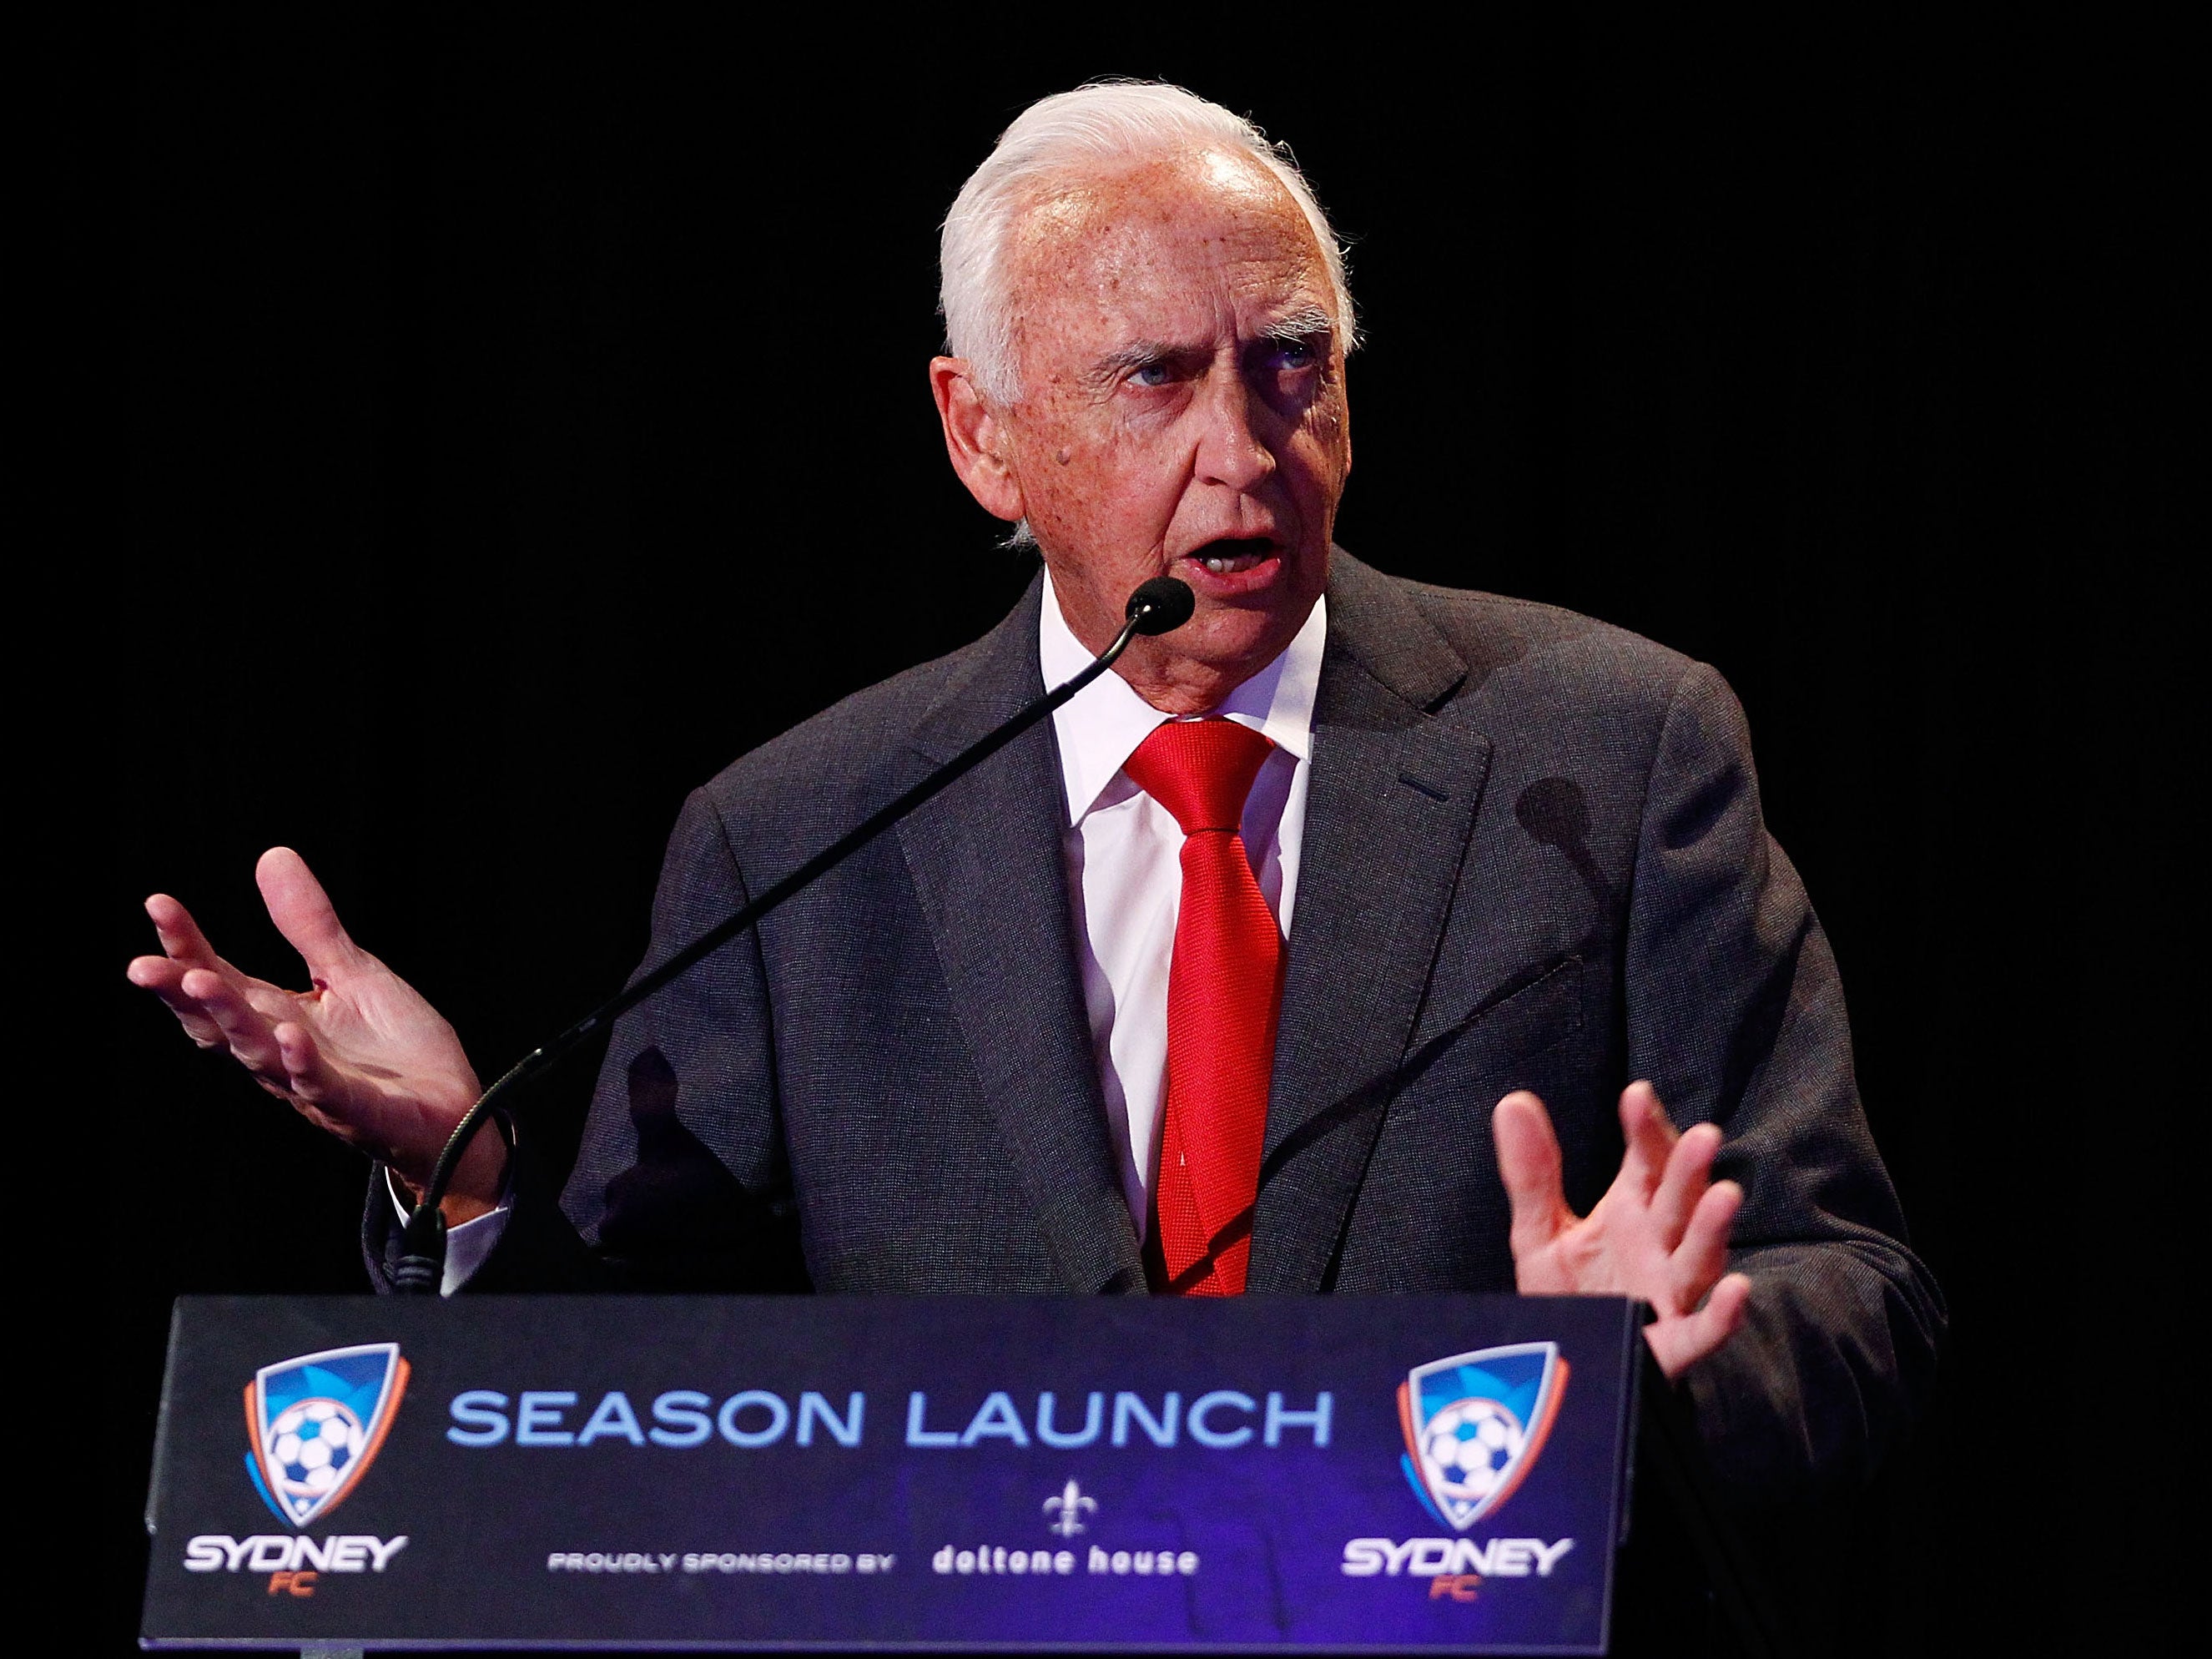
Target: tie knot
1200 771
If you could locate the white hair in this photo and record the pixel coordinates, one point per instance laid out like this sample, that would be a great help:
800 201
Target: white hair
1103 123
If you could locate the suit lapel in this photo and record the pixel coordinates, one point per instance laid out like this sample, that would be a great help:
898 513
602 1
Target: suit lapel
1388 810
986 861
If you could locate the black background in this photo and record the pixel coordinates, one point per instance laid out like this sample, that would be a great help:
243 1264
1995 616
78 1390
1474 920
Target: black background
499 420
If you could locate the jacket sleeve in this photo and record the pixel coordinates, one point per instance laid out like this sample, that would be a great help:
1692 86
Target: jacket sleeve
680 1183
1735 1013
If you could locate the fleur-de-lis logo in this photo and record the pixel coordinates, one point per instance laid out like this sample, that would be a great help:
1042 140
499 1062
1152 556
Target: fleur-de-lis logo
1072 1505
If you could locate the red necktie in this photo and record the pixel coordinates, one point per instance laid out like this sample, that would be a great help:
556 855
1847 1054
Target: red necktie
1224 988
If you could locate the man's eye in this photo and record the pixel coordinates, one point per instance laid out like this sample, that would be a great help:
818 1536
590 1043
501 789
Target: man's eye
1295 354
1151 375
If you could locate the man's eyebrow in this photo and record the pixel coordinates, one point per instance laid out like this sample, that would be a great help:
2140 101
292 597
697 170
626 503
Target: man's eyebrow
1299 325
1135 355
1302 324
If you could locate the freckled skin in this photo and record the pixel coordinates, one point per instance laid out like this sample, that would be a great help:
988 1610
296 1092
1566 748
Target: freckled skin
1158 415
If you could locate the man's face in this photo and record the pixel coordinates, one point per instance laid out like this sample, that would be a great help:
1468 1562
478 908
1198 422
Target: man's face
1183 410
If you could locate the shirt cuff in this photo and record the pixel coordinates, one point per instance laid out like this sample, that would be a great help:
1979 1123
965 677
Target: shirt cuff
469 1245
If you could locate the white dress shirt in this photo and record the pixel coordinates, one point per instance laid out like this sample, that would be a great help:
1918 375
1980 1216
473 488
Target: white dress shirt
1124 858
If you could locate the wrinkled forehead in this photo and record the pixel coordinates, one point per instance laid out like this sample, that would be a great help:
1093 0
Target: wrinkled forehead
1189 228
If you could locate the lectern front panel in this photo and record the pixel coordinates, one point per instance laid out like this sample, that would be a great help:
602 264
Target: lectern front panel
1353 1474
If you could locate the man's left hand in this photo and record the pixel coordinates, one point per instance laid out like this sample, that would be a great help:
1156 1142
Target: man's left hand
1659 1233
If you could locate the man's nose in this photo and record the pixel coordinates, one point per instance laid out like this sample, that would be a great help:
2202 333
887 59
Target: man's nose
1230 452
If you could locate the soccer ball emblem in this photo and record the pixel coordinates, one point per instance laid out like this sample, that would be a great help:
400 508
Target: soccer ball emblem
310 1445
1469 1445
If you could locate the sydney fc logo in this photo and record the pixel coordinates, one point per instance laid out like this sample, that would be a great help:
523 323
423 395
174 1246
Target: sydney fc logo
314 1425
1475 1425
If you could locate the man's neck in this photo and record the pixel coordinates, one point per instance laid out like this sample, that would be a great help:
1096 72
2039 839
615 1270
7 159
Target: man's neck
1175 683
1181 687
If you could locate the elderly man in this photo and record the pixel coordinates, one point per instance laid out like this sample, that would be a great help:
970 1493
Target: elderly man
1324 946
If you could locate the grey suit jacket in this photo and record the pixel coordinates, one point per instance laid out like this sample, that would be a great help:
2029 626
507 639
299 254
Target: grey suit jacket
1533 859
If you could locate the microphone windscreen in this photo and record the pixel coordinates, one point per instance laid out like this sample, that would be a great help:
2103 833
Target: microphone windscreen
1161 605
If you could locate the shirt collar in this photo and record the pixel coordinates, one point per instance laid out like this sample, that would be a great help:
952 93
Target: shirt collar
1101 727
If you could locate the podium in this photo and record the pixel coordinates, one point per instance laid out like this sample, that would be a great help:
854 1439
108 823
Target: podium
1400 1475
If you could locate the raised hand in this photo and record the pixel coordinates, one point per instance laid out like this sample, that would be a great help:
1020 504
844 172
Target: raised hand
359 1052
1659 1233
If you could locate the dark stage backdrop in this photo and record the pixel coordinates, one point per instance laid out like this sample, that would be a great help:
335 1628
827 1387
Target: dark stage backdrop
518 420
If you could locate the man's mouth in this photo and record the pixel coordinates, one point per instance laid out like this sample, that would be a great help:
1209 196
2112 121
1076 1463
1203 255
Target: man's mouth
1229 558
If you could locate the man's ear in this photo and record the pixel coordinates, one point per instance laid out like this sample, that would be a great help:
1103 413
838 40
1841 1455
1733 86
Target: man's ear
975 437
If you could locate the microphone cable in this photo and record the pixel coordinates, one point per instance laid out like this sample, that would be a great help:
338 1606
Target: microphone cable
1158 606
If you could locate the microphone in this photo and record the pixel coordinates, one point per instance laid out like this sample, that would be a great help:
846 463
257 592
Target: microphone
1158 606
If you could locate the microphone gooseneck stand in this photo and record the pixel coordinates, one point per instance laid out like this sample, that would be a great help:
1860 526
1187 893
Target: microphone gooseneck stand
1156 607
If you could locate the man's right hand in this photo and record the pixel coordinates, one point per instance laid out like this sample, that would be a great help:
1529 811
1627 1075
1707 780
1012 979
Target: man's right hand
359 1052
